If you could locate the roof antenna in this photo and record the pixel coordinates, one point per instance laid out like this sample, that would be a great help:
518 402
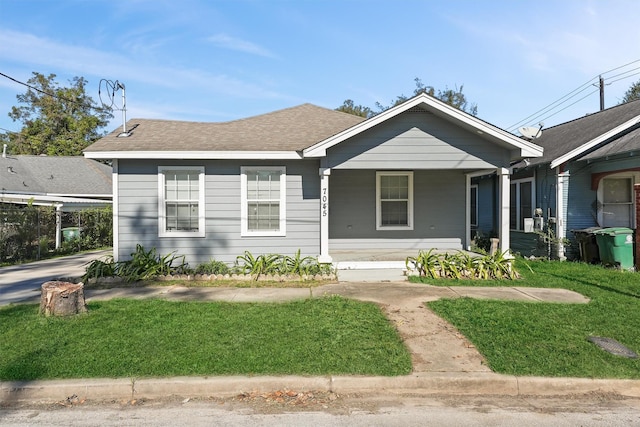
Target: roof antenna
112 88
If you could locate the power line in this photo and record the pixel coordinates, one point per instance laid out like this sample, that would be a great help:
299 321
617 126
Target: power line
53 95
566 98
626 77
551 106
573 103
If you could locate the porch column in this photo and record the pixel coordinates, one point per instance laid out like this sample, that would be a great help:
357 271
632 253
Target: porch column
324 257
467 216
503 215
58 226
561 232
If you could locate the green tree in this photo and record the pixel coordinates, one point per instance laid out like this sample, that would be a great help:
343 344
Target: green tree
632 94
348 106
56 120
453 97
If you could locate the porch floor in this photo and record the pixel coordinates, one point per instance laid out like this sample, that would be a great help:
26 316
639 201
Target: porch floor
379 258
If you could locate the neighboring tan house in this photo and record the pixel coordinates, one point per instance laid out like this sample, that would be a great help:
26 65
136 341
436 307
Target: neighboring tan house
584 179
305 178
68 183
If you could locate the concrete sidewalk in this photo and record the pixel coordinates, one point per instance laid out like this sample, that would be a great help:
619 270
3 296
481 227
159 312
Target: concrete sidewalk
444 361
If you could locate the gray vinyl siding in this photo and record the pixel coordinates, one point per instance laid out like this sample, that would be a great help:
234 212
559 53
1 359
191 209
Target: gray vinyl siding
417 140
138 221
582 200
438 203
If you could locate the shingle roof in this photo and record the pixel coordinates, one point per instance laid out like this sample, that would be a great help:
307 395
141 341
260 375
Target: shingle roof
291 129
564 138
60 175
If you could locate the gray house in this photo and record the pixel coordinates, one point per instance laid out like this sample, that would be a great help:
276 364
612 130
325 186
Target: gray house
306 178
584 179
68 183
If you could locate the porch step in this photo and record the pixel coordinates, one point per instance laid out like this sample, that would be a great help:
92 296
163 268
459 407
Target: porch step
371 271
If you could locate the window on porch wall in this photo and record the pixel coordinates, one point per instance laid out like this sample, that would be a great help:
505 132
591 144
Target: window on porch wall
394 191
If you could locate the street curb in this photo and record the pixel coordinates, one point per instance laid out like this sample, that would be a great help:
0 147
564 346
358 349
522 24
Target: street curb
451 383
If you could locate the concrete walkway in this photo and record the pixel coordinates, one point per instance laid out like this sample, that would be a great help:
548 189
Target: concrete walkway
444 361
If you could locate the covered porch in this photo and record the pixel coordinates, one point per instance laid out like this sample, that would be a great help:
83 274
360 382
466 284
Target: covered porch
402 180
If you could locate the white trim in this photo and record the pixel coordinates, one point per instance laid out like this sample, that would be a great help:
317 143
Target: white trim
482 172
561 232
115 179
517 183
49 200
527 149
162 215
503 216
409 225
594 142
635 178
195 155
244 214
324 256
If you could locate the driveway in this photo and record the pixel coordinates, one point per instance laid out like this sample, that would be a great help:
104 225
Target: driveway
22 282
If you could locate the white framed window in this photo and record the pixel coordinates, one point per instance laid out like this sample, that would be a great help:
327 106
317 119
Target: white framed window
394 200
263 198
616 200
521 202
181 201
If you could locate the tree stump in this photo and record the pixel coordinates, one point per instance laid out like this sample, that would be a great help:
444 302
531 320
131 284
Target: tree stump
62 299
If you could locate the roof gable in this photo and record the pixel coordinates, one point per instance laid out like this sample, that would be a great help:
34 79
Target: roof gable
574 139
460 118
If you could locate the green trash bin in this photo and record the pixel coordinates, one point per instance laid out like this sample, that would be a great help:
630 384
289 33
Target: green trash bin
615 246
70 233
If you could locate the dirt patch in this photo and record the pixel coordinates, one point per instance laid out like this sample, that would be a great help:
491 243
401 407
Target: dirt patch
435 345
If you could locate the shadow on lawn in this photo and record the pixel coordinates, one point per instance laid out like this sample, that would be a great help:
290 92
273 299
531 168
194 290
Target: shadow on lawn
588 283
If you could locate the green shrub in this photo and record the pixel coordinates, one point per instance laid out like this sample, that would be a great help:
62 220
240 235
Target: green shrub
461 266
142 265
213 267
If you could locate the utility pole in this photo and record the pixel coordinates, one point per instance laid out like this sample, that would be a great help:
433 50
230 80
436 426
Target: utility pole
601 93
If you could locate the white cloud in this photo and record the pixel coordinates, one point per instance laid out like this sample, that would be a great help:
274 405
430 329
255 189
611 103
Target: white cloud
227 42
35 53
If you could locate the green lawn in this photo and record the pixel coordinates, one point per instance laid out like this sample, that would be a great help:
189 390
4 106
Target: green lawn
156 338
551 339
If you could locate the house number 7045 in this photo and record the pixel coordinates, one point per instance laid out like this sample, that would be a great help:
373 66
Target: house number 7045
325 201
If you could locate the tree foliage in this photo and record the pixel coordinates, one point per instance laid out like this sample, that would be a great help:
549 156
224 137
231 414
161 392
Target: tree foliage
453 97
348 106
56 120
632 94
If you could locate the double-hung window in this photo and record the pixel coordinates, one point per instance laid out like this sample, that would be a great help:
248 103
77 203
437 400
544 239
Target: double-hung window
521 203
615 197
263 193
394 200
181 201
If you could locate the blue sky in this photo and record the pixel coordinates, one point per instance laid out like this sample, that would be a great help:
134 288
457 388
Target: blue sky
220 60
